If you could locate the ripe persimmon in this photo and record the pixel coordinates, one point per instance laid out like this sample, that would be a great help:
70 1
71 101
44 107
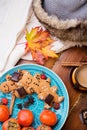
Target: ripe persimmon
4 113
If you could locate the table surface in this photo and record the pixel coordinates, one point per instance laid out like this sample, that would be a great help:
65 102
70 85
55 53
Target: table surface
78 99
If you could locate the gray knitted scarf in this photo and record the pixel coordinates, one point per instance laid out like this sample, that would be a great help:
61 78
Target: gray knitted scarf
66 9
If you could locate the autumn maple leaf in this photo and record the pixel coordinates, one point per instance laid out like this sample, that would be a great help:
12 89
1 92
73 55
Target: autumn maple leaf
38 41
38 56
47 52
37 38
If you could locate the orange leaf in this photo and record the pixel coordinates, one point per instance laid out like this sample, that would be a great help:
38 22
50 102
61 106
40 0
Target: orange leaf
34 46
37 37
38 41
41 36
47 42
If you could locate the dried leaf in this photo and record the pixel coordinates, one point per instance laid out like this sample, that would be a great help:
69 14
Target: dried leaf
38 41
47 52
37 56
30 36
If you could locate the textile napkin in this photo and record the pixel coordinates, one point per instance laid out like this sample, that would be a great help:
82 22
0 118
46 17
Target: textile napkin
16 16
13 18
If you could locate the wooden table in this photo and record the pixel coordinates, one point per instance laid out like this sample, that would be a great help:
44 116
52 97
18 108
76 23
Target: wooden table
78 99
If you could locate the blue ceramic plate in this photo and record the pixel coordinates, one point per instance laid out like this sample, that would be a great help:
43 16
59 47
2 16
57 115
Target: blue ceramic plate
38 105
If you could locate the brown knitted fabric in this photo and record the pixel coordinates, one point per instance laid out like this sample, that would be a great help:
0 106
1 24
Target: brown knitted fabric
73 30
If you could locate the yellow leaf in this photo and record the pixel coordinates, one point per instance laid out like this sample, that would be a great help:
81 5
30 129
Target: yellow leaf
31 35
49 53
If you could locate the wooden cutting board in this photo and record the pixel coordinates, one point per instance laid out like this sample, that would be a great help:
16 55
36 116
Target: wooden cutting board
77 103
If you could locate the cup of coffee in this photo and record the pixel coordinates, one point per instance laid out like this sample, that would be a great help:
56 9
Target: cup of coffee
79 77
